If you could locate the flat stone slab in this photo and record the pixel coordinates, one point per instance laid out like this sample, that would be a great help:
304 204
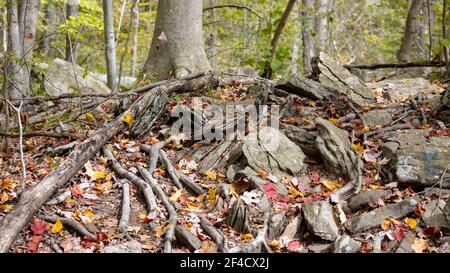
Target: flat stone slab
320 221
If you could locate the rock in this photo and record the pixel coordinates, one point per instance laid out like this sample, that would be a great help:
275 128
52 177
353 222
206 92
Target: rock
362 200
273 152
187 239
378 117
238 218
276 225
434 214
319 248
293 230
125 81
405 245
436 192
304 87
319 218
62 77
232 171
405 88
333 75
346 244
243 70
360 73
375 217
444 115
303 138
447 213
416 159
336 150
128 247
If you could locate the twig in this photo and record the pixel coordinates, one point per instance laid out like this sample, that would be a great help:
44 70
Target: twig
234 6
173 218
416 107
388 129
402 117
72 223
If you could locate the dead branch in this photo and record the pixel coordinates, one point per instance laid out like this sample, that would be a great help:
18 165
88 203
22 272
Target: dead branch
72 223
388 129
234 6
396 65
153 151
126 208
416 107
38 133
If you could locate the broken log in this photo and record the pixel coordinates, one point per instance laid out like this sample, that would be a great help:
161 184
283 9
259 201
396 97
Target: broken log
32 199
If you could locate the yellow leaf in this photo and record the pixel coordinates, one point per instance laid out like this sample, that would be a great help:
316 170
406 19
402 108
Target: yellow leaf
128 119
57 226
142 216
335 121
99 175
312 103
275 245
294 193
103 160
307 122
5 208
4 198
386 224
419 245
358 148
88 213
233 192
375 187
104 186
176 195
90 116
200 198
412 223
246 236
331 184
211 175
365 130
211 195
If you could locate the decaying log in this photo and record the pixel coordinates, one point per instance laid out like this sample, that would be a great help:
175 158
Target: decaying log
32 199
72 223
173 217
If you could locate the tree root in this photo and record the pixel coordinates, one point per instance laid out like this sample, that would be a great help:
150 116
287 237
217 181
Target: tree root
259 241
72 223
217 236
126 208
170 169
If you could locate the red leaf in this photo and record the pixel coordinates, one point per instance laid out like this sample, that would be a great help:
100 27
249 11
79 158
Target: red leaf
314 176
39 227
399 234
37 238
431 231
101 236
33 247
271 191
294 246
366 247
76 191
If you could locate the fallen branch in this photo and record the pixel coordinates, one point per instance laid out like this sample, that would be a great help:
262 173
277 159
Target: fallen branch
126 208
388 129
396 65
72 223
173 217
32 199
416 107
36 134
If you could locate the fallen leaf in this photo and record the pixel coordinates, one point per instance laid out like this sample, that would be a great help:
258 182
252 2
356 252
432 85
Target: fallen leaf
263 174
294 193
331 184
90 116
412 223
39 227
211 175
358 148
419 245
314 176
76 191
128 118
247 236
271 191
275 245
294 246
211 196
176 195
99 175
399 234
57 226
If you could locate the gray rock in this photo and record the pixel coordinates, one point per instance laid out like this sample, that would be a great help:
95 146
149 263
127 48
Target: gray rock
416 159
128 247
276 225
319 248
346 244
434 214
362 200
303 138
336 150
436 192
292 230
319 218
125 81
375 217
405 245
273 152
62 77
232 171
304 87
335 76
378 117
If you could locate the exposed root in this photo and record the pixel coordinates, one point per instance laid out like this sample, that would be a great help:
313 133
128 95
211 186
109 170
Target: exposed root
72 223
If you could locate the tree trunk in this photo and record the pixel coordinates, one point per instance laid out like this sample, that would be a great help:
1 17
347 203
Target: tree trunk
321 26
51 22
110 46
411 31
177 46
3 30
276 38
307 27
295 46
29 11
71 46
16 87
213 37
134 46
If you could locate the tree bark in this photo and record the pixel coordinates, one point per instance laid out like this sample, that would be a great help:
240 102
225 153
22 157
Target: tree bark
276 38
177 46
134 45
29 11
321 26
411 31
110 46
16 86
71 46
51 22
307 27
295 46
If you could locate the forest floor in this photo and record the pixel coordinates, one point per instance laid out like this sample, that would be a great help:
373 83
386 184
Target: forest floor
94 196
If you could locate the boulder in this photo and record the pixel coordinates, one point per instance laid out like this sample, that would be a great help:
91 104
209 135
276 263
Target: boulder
434 214
336 150
305 87
375 217
333 75
346 244
273 152
292 230
243 70
63 77
319 248
320 221
362 200
128 247
276 225
125 81
303 138
378 117
416 159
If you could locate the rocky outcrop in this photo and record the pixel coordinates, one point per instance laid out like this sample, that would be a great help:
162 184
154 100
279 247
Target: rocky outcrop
364 199
305 87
